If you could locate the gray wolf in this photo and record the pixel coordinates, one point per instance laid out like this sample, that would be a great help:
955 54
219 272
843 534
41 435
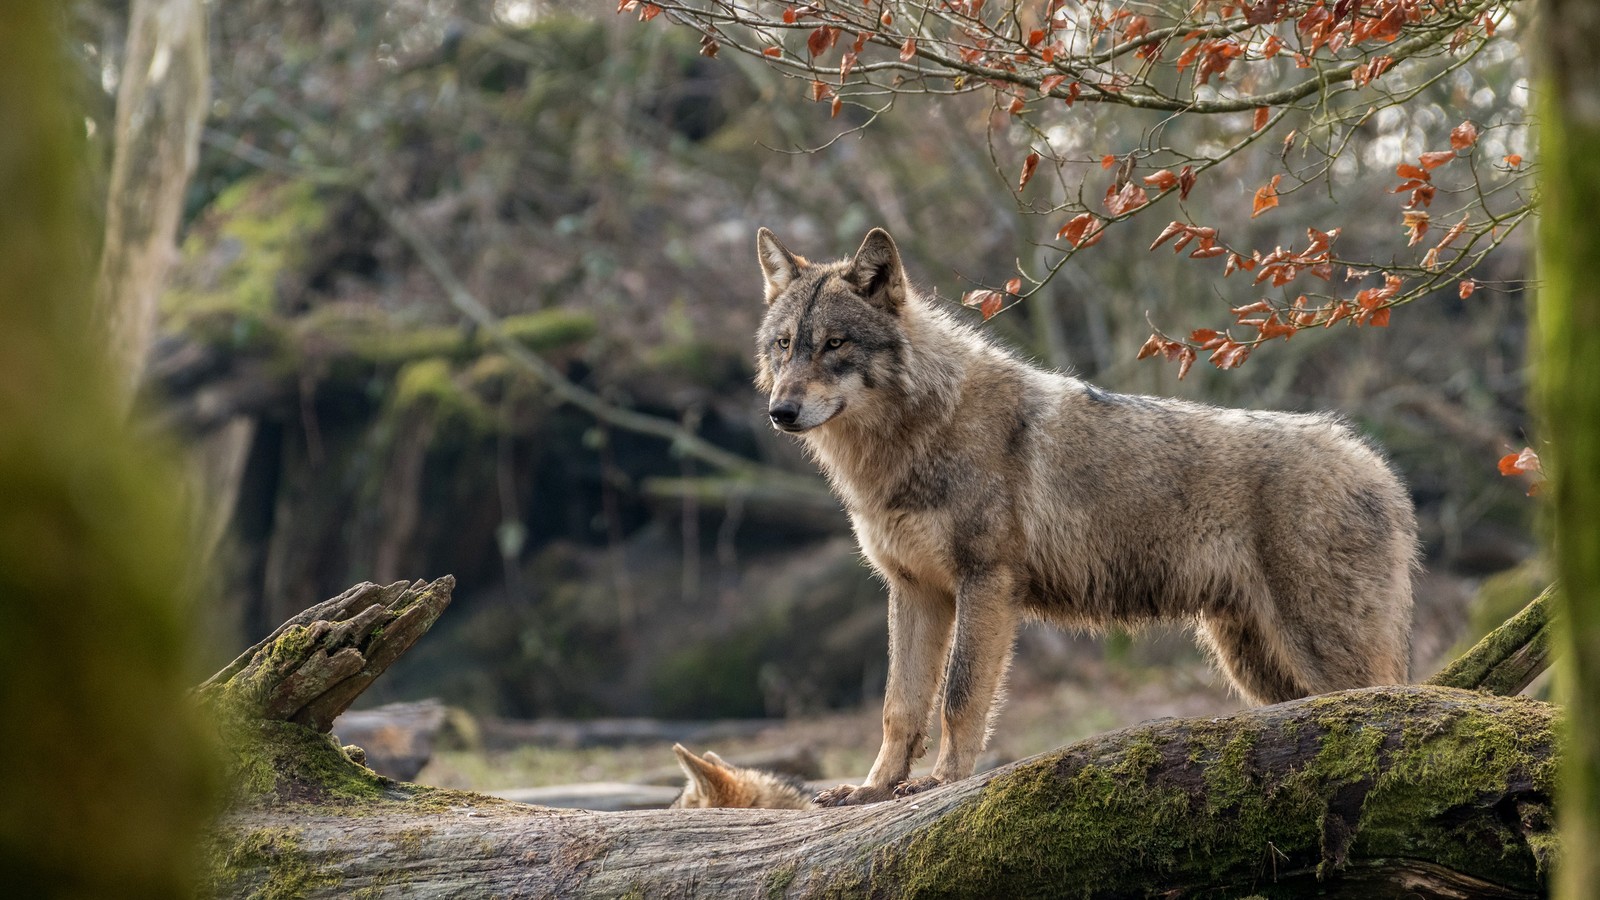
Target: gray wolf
986 491
713 783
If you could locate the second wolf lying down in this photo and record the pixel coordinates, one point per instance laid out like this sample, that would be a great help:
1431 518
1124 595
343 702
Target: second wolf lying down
985 491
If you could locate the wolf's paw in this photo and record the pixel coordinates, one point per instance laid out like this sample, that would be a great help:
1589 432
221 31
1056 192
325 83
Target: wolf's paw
852 795
916 786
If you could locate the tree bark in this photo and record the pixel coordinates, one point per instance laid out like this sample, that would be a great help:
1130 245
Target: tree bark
161 105
1413 791
1567 393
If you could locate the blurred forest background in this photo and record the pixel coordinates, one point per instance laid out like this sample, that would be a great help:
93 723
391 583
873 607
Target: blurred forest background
596 183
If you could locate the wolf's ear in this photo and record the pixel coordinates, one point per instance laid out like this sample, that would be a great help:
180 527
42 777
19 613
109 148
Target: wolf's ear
709 780
877 273
716 760
778 265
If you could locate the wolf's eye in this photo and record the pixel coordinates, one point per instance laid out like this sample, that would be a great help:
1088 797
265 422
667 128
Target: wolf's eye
783 343
835 343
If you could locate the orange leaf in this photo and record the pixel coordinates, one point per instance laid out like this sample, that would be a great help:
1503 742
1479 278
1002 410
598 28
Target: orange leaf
789 16
1513 159
772 51
1107 161
1014 286
1416 224
1035 37
1266 197
1466 289
1521 463
1050 83
986 302
1464 136
908 49
1152 346
819 90
1016 105
886 19
1406 170
1073 231
1186 358
1168 232
1028 165
1437 158
1131 197
1379 318
1185 182
1262 114
1048 54
1163 180
838 104
649 12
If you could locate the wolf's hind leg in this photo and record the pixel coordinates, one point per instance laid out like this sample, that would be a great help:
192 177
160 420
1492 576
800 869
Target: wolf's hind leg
1251 658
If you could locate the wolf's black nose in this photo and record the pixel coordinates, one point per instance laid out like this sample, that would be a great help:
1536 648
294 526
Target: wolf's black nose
784 413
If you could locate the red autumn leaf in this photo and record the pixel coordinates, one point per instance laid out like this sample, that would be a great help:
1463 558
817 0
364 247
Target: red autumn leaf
1035 37
1050 83
1186 358
1415 223
1030 163
1523 463
709 47
1406 170
1466 289
1422 195
1168 232
1016 106
772 51
1513 159
822 38
1273 328
1262 114
1258 306
1266 197
1185 182
1152 346
886 19
650 11
908 49
819 90
838 104
1107 161
1454 232
1229 355
1463 136
1014 286
1073 232
986 302
1048 54
1437 158
1131 197
1163 180
789 16
1379 318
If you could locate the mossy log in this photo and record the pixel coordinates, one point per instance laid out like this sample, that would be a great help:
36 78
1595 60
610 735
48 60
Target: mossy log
1396 791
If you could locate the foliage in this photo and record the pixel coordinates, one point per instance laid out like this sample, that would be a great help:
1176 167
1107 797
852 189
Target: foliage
1299 83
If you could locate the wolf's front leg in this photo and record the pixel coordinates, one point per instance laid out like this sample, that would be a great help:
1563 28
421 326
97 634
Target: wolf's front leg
919 632
986 626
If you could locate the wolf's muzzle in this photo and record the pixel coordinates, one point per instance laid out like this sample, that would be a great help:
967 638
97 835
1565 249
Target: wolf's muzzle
785 413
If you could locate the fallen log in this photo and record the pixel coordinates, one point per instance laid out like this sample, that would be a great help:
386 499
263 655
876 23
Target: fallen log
1415 790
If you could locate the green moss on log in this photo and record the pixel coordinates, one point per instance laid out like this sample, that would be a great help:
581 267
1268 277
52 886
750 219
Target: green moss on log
255 231
1209 808
236 857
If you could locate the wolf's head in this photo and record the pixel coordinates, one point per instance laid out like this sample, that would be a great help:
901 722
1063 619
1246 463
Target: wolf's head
833 331
714 784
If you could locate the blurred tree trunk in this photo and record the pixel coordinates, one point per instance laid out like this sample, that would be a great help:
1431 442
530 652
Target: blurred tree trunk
102 783
161 105
1569 397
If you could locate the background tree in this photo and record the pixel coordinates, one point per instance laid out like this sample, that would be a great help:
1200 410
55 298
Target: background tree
102 779
162 97
1569 397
